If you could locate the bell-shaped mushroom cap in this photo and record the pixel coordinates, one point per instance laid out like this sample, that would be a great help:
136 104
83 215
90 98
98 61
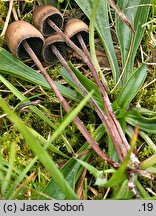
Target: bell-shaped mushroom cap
19 31
47 53
44 12
74 27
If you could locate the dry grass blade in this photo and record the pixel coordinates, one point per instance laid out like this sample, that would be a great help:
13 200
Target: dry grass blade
135 136
7 18
80 184
27 180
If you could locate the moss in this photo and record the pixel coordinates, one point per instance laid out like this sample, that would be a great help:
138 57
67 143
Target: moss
23 152
3 13
147 98
2 41
111 84
145 153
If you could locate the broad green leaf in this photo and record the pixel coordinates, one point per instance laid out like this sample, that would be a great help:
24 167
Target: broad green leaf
71 171
145 112
122 191
149 162
152 170
146 124
131 88
141 189
92 35
137 13
12 66
112 151
103 28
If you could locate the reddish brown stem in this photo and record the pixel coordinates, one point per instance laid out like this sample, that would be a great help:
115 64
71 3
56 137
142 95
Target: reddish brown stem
67 108
121 15
121 140
118 139
92 101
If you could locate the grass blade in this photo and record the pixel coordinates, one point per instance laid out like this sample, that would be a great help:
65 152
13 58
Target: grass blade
146 124
142 190
42 154
34 109
6 180
12 66
71 170
123 192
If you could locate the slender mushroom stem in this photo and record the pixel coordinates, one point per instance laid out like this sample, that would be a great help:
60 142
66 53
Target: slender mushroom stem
92 101
69 42
110 114
83 45
67 108
115 126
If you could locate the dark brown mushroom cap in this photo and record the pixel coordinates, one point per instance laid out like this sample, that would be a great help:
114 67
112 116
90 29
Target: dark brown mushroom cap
19 31
47 53
74 27
42 13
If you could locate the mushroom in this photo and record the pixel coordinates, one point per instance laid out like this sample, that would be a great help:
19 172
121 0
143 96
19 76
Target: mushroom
43 14
23 32
78 32
20 31
40 19
49 20
54 51
109 120
76 29
59 43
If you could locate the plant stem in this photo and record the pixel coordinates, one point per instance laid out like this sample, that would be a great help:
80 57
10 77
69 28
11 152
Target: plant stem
67 108
119 136
92 101
108 109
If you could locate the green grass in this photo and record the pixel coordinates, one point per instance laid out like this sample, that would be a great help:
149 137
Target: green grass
39 144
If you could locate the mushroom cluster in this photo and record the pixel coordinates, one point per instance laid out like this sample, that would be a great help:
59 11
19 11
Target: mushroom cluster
46 39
